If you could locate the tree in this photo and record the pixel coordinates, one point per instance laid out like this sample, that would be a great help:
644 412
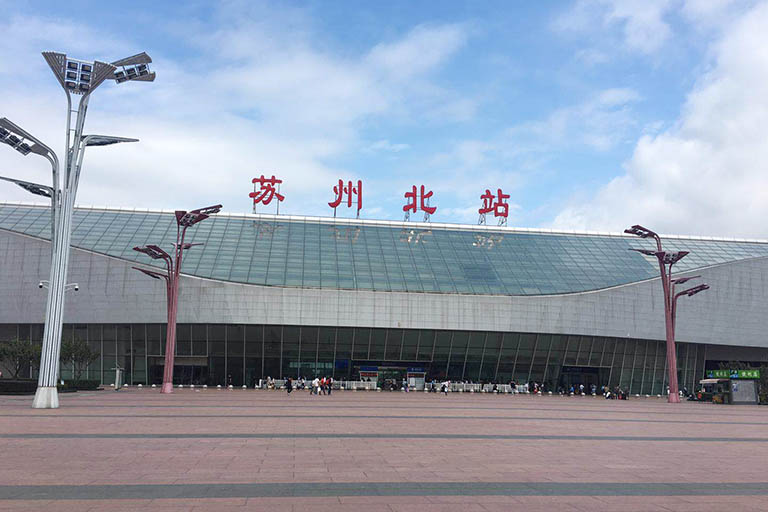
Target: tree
20 355
79 354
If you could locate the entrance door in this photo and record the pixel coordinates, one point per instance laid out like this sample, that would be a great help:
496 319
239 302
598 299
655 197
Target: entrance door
391 378
587 375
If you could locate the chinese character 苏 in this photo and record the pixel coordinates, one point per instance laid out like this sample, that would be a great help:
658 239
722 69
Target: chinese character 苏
267 190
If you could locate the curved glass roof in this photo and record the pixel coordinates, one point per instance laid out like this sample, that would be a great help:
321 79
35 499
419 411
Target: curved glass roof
380 255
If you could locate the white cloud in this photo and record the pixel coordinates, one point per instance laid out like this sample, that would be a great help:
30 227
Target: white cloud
385 145
641 22
707 173
600 122
255 99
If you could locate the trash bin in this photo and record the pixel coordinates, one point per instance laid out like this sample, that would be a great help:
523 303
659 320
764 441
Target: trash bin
118 378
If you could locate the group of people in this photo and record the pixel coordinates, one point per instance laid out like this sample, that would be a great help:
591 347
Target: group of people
317 386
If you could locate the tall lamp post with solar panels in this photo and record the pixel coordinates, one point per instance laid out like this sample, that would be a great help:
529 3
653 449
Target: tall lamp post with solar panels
184 220
80 78
666 260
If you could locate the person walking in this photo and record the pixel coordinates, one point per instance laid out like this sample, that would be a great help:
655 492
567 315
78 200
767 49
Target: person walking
330 385
288 385
315 385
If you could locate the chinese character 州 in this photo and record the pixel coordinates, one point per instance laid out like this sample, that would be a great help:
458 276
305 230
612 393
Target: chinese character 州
423 201
499 208
267 190
349 190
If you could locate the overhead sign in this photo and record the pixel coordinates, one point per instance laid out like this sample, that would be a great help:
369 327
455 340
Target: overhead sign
350 195
733 374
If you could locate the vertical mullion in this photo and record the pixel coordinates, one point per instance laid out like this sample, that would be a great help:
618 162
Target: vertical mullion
482 357
613 360
450 352
335 343
498 358
533 357
549 352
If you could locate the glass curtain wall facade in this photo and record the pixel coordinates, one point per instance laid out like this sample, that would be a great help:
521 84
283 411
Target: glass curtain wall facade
242 354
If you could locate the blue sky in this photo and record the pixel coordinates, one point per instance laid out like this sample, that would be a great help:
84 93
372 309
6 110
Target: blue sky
590 114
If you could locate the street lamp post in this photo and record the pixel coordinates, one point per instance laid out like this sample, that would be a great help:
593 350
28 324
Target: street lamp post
80 78
666 260
171 276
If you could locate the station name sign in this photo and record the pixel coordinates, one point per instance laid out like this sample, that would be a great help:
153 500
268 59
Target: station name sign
349 194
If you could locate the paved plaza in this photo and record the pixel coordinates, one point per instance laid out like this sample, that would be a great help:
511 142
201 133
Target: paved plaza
366 451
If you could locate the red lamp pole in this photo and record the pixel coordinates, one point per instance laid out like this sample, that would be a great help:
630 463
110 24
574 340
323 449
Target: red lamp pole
173 269
666 261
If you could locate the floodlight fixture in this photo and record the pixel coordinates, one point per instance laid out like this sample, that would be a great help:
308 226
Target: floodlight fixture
133 68
681 280
208 210
151 273
105 140
154 252
188 245
690 292
670 258
9 129
78 76
640 231
33 188
14 137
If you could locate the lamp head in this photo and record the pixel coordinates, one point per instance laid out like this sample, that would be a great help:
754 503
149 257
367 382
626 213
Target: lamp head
671 257
191 218
681 280
150 273
78 76
135 67
208 210
33 188
640 231
15 136
105 140
696 289
153 251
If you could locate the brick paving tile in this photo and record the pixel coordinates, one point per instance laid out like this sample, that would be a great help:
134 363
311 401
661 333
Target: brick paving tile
649 442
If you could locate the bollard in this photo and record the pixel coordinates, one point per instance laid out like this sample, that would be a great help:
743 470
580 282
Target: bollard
378 389
154 386
139 385
181 386
191 386
231 387
218 386
205 386
550 393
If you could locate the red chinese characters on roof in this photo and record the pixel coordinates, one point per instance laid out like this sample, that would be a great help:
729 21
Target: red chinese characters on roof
266 191
495 204
423 201
349 190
